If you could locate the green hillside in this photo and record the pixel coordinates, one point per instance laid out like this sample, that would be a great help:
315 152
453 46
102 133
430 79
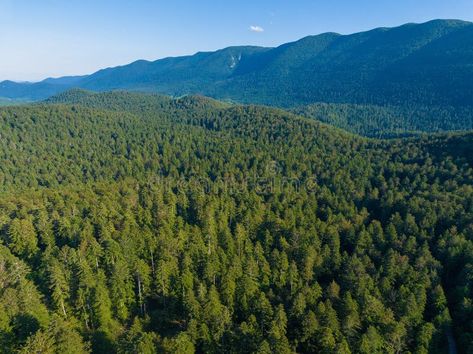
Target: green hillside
389 121
140 224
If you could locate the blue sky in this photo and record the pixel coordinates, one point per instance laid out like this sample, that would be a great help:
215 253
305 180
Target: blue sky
43 38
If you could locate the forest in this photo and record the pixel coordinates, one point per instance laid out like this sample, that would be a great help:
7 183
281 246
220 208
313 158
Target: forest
140 223
389 121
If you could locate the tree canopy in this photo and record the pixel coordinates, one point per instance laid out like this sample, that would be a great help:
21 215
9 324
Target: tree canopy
137 223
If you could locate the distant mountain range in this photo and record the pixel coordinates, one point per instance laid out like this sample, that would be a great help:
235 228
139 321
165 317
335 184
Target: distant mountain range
429 64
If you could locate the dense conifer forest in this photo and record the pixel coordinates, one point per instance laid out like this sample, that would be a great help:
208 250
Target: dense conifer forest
389 121
133 223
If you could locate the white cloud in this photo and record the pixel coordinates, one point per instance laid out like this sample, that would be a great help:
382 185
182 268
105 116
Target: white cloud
256 29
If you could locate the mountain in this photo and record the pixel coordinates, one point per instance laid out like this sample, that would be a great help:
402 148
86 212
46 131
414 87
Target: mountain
386 82
27 91
422 64
65 80
176 76
34 91
426 64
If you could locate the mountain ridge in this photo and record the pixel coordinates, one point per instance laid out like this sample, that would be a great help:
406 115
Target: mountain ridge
380 66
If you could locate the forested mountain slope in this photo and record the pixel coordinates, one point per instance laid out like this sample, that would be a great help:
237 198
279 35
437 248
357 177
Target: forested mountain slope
140 223
383 82
425 64
365 120
389 121
417 64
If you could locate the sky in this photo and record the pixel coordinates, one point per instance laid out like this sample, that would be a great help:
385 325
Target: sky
52 38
